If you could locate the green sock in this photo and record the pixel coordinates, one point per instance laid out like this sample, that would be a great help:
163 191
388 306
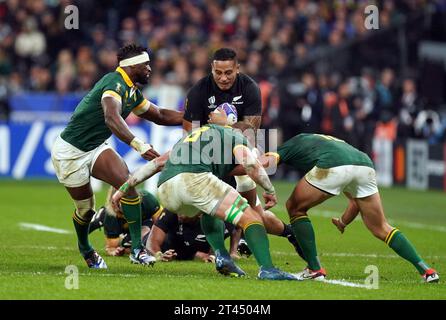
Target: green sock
255 235
131 207
82 226
303 230
402 246
214 229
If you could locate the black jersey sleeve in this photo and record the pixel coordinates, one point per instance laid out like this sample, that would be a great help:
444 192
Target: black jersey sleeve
253 100
193 106
167 221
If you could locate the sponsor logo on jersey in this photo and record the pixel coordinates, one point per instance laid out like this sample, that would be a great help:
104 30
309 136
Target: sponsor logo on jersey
118 87
132 91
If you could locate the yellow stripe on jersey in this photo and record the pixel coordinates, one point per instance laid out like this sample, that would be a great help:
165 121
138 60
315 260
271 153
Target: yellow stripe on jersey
158 213
113 94
125 76
142 107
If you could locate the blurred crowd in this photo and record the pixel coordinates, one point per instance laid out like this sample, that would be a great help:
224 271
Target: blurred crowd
319 68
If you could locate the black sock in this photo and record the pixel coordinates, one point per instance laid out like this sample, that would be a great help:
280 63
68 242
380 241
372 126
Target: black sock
288 233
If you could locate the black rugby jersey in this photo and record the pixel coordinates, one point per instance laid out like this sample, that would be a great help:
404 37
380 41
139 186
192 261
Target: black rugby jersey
205 96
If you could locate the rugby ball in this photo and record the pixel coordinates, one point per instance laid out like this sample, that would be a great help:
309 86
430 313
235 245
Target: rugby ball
231 112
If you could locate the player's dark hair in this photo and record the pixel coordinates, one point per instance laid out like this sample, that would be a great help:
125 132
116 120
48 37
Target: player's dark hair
129 51
224 54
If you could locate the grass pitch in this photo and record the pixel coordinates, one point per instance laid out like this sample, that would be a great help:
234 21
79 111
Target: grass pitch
33 263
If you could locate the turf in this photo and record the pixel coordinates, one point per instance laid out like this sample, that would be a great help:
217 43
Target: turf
33 263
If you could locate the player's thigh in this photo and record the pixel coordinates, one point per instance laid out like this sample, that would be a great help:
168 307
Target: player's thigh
71 165
187 193
304 197
110 168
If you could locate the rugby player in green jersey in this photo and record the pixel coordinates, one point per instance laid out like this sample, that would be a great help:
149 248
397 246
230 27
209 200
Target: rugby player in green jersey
333 166
191 182
81 150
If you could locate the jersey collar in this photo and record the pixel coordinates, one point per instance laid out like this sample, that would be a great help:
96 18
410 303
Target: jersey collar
124 76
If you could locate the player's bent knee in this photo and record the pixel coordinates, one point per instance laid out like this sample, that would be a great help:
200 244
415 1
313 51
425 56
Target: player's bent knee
291 206
249 217
85 209
294 210
235 212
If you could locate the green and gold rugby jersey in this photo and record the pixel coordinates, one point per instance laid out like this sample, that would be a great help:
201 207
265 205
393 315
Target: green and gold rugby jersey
305 151
87 129
205 149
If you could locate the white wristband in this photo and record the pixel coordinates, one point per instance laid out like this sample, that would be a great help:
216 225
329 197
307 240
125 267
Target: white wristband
140 145
271 191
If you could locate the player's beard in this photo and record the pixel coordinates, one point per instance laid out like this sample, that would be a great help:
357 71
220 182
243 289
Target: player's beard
143 80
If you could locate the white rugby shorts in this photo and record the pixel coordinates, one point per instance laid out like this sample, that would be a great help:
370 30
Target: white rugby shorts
188 193
358 181
73 166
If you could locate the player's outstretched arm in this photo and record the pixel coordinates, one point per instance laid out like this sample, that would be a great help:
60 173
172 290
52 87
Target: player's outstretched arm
256 172
154 243
349 215
163 116
117 125
141 174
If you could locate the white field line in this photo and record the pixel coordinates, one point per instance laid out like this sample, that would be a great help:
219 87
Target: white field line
346 283
40 227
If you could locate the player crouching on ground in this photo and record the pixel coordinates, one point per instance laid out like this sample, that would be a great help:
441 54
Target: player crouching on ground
178 237
117 236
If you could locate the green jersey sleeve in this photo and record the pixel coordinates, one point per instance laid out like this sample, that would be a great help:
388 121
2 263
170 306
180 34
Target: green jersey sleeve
113 87
140 104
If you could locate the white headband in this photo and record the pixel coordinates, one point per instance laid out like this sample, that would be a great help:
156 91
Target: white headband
141 58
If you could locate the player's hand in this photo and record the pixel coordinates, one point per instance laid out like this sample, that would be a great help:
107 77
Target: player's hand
119 251
168 255
116 200
144 149
150 154
205 257
218 116
339 224
270 200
